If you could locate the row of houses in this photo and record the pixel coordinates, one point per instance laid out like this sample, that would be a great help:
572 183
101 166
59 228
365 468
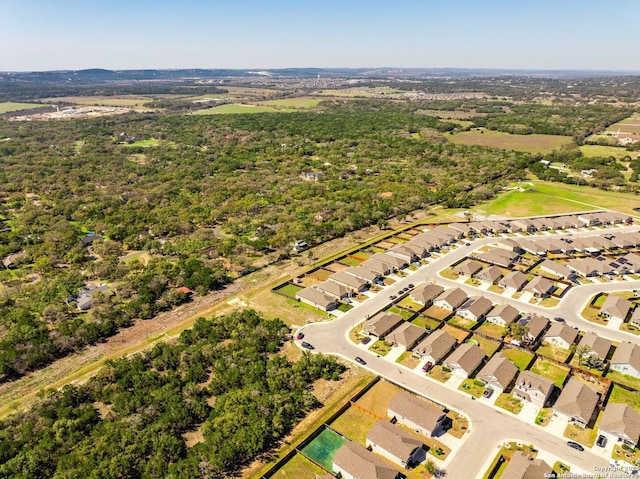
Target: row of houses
546 245
387 439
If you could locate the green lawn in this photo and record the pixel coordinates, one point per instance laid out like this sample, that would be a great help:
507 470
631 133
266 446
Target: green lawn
290 290
299 102
402 312
473 387
553 352
625 379
143 143
617 152
354 424
490 329
550 370
239 108
426 322
620 395
519 358
7 106
487 345
299 467
510 403
528 143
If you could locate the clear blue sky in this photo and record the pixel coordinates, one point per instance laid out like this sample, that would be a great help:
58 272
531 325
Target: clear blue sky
117 34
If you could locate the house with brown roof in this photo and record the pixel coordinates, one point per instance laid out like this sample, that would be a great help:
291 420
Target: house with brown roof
406 335
363 273
417 414
540 287
577 403
475 308
468 268
450 299
465 359
317 299
620 423
352 283
556 269
502 314
513 281
561 335
635 318
535 326
395 262
395 444
426 293
626 359
597 345
333 289
405 252
495 259
381 324
533 388
615 307
436 346
490 274
354 461
521 466
378 267
499 372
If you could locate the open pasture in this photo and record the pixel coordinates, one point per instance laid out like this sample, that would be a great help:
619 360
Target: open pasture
591 151
239 108
298 102
8 106
506 141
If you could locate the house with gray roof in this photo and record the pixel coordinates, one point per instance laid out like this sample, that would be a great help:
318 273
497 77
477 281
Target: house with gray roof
468 268
533 388
378 267
406 335
540 287
561 335
502 314
381 324
535 325
626 359
451 299
490 274
406 253
615 307
395 444
577 403
395 262
499 372
352 283
317 299
521 466
333 289
436 346
425 293
620 423
475 308
85 296
363 273
465 360
417 414
354 461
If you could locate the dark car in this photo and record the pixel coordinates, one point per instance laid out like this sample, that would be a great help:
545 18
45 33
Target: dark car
366 340
307 345
392 297
300 336
410 285
602 441
559 319
487 393
575 445
359 360
427 366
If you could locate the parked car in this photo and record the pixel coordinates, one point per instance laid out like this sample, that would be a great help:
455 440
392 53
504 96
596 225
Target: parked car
487 393
392 297
575 445
366 340
300 336
559 319
359 360
428 365
410 286
601 441
307 345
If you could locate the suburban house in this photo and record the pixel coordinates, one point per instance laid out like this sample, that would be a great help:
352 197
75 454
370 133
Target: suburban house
450 299
353 461
620 423
499 372
577 402
521 466
635 318
394 262
535 327
317 299
417 414
426 293
475 308
597 345
540 287
333 289
513 281
533 388
406 335
353 283
84 298
615 307
381 324
395 444
490 274
381 269
435 346
502 314
468 268
363 273
406 253
465 359
626 359
586 267
495 259
10 260
88 239
561 335
556 269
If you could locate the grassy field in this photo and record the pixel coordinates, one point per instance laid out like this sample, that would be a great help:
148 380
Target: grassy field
299 467
488 346
506 141
378 397
510 403
545 198
623 379
617 152
239 108
7 106
619 395
550 370
300 102
553 352
518 357
143 143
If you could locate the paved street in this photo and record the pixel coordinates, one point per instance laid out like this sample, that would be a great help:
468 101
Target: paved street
488 426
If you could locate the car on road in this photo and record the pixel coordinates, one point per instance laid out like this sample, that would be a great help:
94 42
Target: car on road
601 441
410 286
307 345
467 244
300 336
575 445
427 366
559 319
392 297
366 340
487 393
359 360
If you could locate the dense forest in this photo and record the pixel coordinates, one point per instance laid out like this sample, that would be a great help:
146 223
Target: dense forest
223 377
